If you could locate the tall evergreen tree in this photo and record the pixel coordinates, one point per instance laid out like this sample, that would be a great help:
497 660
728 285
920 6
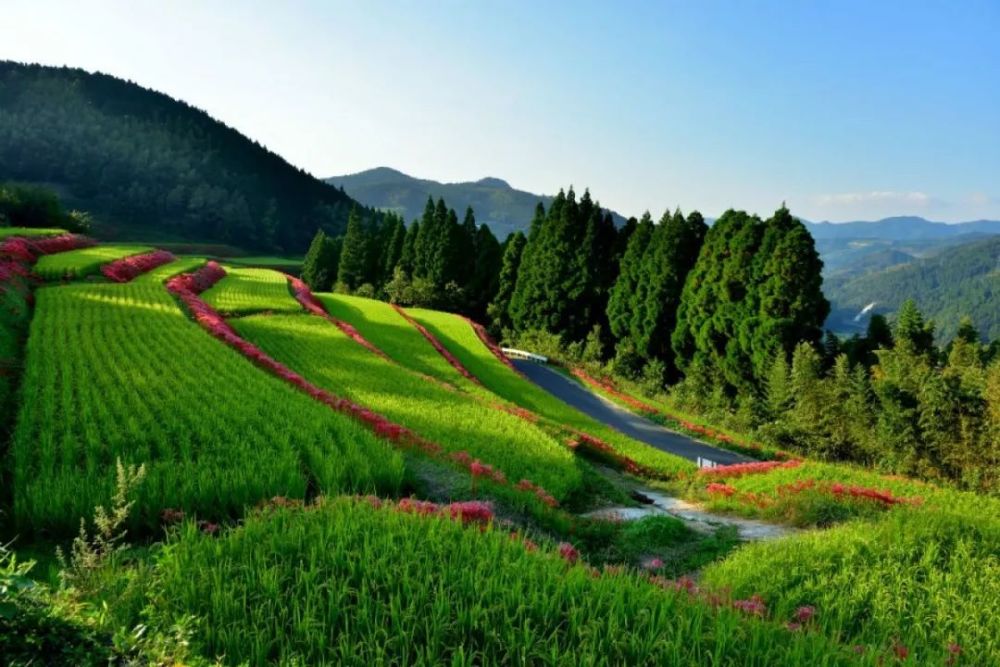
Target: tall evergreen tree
485 279
354 253
672 252
622 302
320 261
498 310
911 330
408 255
393 250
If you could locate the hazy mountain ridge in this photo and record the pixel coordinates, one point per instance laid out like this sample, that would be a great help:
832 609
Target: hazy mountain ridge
502 207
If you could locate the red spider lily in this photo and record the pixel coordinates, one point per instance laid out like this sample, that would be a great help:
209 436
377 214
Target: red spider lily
900 651
170 515
208 527
419 507
472 511
741 469
28 250
652 564
753 606
479 469
792 626
884 497
954 650
805 613
720 489
568 552
127 268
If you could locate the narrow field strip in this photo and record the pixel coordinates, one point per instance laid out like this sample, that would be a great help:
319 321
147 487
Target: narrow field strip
31 248
250 290
163 273
313 305
460 423
84 262
436 344
118 372
380 323
6 232
458 336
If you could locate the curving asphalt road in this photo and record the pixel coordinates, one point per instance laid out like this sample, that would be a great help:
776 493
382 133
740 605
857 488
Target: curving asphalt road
621 419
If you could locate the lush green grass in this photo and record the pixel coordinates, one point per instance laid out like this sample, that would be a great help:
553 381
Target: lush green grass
268 262
925 579
6 232
167 271
348 584
460 339
117 371
379 322
323 354
85 261
251 290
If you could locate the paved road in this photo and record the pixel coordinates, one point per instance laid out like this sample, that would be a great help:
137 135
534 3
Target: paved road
621 419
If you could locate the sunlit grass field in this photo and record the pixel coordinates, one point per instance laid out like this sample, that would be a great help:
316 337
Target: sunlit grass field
85 261
248 290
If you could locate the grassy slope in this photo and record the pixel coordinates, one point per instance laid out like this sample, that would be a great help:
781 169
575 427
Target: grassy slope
460 339
428 591
323 354
250 290
84 262
6 232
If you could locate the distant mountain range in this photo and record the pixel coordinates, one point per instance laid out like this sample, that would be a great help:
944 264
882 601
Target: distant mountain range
959 280
901 228
495 202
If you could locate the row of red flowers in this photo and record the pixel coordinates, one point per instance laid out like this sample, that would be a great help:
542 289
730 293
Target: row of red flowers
741 469
187 287
313 305
29 250
127 268
432 339
884 498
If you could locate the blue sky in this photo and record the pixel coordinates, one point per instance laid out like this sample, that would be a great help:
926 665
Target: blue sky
846 110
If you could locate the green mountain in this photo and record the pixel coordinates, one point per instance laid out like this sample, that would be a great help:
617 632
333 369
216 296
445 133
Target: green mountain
495 202
961 280
151 167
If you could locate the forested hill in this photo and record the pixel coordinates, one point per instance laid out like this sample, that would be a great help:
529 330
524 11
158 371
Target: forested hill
149 166
495 202
964 280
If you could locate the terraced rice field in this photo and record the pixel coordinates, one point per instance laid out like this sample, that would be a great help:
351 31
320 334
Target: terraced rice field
379 322
118 371
461 340
324 355
84 262
248 290
6 232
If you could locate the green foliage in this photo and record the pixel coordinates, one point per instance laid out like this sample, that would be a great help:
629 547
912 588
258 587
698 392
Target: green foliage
956 282
560 286
499 308
426 590
33 207
165 167
352 269
118 372
926 580
754 291
83 262
252 290
320 266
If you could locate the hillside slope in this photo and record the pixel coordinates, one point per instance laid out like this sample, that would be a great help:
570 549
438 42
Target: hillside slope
964 280
495 202
152 167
